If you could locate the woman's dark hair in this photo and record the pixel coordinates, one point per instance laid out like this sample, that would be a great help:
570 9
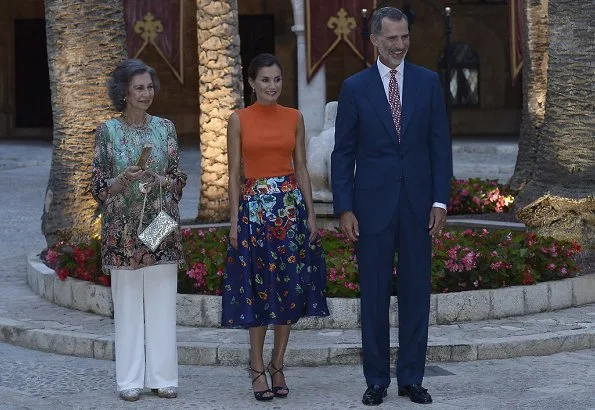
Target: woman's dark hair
117 85
260 61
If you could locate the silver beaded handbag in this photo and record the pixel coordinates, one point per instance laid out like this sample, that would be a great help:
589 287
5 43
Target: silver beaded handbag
159 228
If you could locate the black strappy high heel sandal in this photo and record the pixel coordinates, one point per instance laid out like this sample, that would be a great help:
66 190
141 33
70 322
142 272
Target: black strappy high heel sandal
260 395
277 389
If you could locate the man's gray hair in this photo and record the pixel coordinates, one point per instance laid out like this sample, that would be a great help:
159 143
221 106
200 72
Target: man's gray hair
392 13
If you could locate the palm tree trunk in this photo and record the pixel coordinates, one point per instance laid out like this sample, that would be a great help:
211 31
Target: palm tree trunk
535 61
221 91
85 41
560 195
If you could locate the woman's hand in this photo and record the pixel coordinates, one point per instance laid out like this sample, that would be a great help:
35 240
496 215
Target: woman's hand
150 180
122 181
233 234
133 173
312 226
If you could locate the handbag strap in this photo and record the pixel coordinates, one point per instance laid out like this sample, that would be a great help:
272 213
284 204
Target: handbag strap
142 212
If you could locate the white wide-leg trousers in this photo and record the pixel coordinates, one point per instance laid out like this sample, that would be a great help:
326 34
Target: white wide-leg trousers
145 321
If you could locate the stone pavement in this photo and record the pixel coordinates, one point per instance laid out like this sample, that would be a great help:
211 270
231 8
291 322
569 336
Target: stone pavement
32 379
35 380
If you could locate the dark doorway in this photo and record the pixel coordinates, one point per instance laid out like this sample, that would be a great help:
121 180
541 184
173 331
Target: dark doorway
32 78
257 35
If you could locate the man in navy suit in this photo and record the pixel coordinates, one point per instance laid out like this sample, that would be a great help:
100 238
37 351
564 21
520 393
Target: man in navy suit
391 171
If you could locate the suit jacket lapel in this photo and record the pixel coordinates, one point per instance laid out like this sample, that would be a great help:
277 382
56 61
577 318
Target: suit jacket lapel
377 96
408 98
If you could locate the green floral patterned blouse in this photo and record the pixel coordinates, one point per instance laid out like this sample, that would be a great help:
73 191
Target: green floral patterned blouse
117 146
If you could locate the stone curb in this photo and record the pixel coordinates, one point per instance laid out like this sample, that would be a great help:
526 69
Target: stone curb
208 354
445 308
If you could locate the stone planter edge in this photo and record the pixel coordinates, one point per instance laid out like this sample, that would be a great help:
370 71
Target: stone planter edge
445 308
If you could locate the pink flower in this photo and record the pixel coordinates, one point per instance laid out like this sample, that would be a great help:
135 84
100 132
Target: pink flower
470 260
452 252
51 257
453 266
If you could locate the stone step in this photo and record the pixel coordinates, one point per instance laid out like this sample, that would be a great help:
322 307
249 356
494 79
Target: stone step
534 335
30 321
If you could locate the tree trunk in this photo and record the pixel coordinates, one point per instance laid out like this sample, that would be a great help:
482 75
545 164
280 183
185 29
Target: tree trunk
85 41
535 62
560 194
221 91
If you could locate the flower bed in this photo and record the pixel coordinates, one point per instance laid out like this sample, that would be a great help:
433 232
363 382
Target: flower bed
463 260
479 196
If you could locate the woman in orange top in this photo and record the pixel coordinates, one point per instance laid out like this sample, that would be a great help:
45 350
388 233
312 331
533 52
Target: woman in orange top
275 271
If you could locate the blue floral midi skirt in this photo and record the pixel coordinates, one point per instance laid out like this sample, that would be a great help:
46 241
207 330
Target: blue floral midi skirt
276 276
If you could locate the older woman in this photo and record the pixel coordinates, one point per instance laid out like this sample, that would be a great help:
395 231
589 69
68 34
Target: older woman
144 282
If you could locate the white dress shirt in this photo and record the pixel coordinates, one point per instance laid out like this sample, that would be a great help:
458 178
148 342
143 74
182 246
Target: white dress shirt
385 77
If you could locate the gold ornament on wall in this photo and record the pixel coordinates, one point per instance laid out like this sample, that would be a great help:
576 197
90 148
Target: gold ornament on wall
149 29
342 24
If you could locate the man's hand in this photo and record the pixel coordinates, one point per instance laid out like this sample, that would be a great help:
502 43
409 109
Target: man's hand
349 226
437 220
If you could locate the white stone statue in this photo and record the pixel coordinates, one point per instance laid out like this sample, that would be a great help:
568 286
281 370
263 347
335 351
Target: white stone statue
318 156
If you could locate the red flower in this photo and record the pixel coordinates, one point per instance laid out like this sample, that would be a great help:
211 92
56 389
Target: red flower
527 278
62 273
104 280
279 232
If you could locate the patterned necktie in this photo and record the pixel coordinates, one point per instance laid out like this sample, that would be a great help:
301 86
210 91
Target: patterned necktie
395 101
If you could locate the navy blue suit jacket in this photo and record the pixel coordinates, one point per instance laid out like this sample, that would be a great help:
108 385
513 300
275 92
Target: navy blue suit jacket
366 141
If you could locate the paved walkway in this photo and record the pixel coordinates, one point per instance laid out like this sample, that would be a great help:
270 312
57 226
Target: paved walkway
32 379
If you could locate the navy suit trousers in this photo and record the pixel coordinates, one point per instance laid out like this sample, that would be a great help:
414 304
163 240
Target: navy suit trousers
410 237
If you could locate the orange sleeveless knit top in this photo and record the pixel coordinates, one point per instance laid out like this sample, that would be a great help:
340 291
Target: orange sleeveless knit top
268 139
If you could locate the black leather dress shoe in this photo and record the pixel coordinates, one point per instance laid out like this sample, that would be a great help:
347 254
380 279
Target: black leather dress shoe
373 395
416 393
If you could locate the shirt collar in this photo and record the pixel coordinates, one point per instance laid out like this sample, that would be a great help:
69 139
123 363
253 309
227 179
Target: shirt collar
385 70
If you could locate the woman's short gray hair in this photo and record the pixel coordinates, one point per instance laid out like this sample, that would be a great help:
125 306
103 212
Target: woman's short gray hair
391 13
117 85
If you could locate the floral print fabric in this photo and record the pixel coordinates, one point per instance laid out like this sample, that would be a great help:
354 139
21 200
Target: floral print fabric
276 276
117 146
